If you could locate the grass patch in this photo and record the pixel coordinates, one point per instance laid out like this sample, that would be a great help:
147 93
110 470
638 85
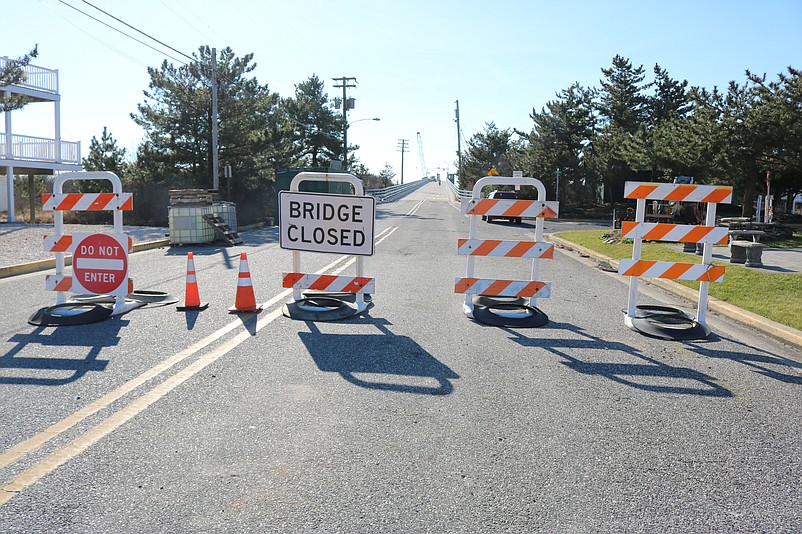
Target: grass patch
776 296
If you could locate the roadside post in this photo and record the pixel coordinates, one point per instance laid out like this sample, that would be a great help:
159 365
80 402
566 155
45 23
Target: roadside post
664 321
501 302
327 223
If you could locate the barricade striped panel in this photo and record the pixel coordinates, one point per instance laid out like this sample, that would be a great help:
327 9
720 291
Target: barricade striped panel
66 243
499 247
675 271
327 282
678 192
502 288
87 202
679 233
58 282
510 208
58 243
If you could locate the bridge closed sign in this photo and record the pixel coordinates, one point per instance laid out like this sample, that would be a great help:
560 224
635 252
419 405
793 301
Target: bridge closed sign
318 222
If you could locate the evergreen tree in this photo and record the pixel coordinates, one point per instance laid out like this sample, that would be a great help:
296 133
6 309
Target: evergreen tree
491 149
560 143
315 131
386 175
104 155
623 111
12 72
176 117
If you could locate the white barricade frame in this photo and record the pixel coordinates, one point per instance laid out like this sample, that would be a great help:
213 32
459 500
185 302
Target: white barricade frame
707 234
366 284
116 202
534 250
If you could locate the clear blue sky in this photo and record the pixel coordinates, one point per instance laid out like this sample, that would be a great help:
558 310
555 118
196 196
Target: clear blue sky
412 59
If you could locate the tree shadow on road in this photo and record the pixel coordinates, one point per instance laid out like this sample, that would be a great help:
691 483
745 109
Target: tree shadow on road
383 361
647 374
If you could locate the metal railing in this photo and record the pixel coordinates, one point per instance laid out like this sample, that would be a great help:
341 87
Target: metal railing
28 148
394 192
457 192
38 78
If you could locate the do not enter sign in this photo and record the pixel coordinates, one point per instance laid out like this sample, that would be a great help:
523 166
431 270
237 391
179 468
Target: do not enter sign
100 265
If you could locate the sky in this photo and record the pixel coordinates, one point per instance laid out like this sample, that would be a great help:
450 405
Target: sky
412 60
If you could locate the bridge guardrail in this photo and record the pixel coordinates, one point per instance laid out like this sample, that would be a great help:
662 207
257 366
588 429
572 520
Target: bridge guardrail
394 192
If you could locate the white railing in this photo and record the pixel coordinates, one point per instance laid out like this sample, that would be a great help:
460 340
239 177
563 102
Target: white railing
38 78
394 192
28 148
457 192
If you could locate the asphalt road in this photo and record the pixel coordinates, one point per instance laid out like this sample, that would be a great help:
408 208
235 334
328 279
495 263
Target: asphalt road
412 418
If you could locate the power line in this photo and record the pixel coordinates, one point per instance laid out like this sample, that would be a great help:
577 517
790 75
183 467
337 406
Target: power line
101 41
138 30
120 31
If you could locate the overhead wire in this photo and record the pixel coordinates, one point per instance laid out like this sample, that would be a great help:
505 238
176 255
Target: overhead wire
120 31
139 31
101 41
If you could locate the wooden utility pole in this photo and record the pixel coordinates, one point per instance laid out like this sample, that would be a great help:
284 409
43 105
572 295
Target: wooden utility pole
344 83
403 146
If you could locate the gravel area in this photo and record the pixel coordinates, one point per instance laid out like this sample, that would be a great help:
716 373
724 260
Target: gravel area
22 243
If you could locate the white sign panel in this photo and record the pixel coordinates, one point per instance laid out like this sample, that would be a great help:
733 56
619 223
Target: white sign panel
317 222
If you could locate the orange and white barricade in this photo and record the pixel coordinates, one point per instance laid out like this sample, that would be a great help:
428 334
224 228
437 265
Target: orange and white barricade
502 302
327 223
99 261
663 321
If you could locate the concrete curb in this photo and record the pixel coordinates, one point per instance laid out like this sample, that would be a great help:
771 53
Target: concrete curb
50 263
767 326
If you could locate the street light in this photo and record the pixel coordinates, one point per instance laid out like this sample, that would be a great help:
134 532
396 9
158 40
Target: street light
345 139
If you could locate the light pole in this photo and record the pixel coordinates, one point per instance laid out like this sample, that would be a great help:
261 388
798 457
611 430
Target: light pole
345 139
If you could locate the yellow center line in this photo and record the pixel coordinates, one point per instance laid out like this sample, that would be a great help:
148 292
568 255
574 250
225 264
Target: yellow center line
114 421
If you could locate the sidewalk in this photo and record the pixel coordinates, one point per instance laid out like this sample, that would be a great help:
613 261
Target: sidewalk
778 260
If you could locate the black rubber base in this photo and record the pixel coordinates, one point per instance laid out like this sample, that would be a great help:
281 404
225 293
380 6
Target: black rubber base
153 299
487 315
347 297
490 300
319 309
70 314
665 322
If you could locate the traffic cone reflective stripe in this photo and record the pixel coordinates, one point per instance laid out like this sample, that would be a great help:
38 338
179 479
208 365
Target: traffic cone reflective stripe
191 295
245 300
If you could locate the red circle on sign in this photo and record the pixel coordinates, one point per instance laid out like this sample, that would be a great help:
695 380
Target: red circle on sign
100 264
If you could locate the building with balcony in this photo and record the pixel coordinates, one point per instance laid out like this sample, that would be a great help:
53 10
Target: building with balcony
29 155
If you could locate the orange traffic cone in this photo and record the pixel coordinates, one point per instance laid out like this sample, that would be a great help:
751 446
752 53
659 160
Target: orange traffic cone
192 298
245 301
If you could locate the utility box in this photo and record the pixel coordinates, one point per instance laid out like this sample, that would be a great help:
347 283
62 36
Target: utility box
185 216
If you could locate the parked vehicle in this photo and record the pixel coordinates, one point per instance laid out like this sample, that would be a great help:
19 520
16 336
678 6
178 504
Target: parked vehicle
505 195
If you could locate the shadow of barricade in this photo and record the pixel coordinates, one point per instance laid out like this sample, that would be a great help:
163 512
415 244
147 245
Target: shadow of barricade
382 361
95 337
644 372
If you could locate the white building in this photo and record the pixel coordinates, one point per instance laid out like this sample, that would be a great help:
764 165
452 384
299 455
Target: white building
27 155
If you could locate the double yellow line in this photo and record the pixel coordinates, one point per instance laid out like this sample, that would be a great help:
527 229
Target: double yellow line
102 429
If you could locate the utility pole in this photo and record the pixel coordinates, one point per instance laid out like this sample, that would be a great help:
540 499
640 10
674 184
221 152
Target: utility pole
215 163
403 146
347 104
459 148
